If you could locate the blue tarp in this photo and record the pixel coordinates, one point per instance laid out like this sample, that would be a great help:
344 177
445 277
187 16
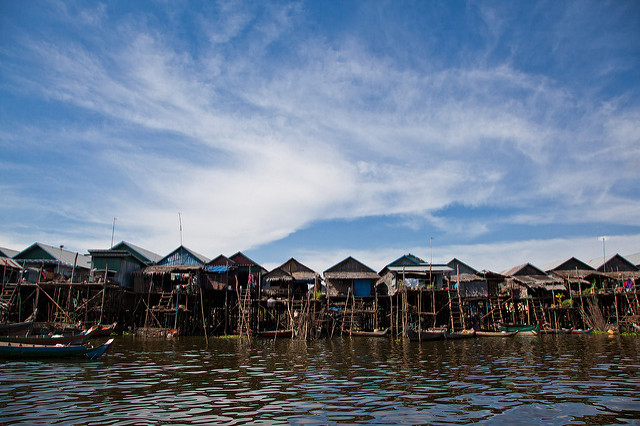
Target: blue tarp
362 288
216 269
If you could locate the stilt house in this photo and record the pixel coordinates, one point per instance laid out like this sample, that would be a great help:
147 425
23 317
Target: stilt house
48 263
291 279
118 263
350 277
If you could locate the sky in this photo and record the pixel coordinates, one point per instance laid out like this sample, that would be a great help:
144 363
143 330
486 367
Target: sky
498 133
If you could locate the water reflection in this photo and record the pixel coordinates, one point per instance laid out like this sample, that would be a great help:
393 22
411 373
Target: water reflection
554 379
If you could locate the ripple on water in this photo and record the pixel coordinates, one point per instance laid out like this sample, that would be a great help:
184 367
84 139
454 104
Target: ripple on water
379 381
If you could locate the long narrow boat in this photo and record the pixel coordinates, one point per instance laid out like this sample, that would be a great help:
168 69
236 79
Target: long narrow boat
464 334
18 328
275 334
51 340
485 333
587 331
524 330
15 328
25 350
104 330
554 331
425 335
374 333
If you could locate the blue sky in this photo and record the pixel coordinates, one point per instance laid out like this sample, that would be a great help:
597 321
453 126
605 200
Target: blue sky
498 132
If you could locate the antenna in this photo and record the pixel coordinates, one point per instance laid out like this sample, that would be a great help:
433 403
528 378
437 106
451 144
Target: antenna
113 230
180 220
604 259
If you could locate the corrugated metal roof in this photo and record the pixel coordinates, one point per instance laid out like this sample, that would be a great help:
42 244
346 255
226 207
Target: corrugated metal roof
9 263
61 255
7 252
151 256
634 258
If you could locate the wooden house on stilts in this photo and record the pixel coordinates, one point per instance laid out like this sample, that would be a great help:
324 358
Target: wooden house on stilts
352 296
169 291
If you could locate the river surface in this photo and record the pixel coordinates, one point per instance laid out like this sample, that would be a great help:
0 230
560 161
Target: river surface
583 379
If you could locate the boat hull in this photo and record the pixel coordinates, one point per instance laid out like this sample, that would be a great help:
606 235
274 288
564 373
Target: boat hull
50 340
482 333
464 334
275 334
379 333
25 350
523 330
425 335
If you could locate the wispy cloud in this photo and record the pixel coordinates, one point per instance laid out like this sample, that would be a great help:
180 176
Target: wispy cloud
257 128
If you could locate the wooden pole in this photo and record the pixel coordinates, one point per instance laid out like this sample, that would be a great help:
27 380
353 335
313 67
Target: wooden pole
104 290
146 317
204 325
391 312
54 302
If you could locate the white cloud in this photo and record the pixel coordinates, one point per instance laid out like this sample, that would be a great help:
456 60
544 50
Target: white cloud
252 150
496 257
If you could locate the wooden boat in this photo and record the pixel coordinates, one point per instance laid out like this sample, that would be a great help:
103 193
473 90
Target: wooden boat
374 333
486 333
275 334
18 328
51 339
425 335
104 330
464 334
587 331
524 330
27 350
554 331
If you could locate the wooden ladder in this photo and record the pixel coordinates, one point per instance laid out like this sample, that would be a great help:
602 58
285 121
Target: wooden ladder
455 311
244 300
8 297
166 299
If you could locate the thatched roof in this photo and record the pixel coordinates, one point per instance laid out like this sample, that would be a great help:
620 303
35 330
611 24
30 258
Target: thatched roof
351 276
575 275
539 281
350 269
278 275
465 278
299 271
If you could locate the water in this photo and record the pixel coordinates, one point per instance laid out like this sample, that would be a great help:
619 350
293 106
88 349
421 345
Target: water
593 379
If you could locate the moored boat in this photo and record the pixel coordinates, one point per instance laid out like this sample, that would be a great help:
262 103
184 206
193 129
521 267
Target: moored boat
486 333
374 333
18 328
554 331
587 331
523 330
464 334
38 339
27 350
104 330
424 335
275 334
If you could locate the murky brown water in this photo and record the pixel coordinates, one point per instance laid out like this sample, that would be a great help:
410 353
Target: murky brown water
550 379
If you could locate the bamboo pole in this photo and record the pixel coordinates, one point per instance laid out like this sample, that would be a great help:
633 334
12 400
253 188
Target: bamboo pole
104 290
204 325
146 317
54 302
